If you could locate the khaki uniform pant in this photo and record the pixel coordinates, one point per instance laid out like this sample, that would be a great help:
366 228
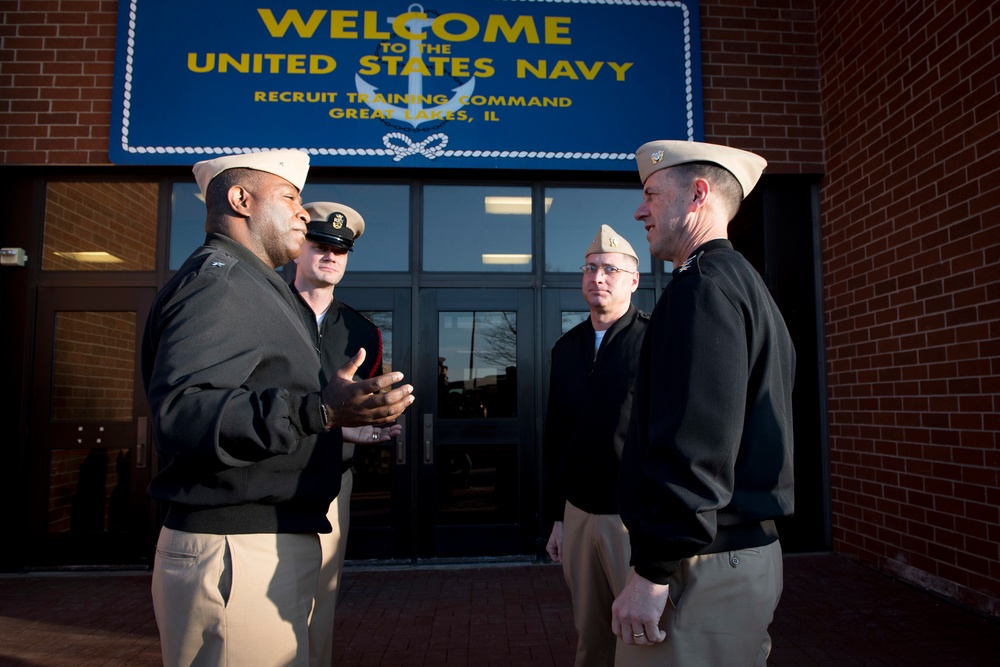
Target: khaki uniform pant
234 600
334 546
720 607
595 565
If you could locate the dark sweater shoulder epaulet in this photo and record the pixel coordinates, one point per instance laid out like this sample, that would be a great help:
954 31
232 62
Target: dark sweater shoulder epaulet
718 250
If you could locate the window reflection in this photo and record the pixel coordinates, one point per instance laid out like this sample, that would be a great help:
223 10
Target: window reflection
477 364
93 366
100 227
371 499
477 228
187 222
477 485
89 490
570 318
576 215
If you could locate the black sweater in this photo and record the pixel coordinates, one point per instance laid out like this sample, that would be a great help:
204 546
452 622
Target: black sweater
233 382
707 465
588 414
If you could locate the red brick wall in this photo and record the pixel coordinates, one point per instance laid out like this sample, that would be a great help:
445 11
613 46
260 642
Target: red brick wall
911 234
119 218
761 80
57 61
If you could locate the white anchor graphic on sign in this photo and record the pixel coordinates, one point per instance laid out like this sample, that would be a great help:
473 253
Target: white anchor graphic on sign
415 113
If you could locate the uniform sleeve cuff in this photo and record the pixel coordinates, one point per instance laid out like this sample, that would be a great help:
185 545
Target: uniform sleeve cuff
312 414
659 572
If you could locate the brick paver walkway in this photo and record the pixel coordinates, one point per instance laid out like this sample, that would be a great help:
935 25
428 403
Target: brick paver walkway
833 612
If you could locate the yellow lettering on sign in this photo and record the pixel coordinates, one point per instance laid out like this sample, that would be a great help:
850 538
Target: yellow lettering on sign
557 30
293 18
524 24
258 63
449 27
564 68
341 24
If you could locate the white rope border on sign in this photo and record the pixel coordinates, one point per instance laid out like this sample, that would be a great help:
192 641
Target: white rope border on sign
433 146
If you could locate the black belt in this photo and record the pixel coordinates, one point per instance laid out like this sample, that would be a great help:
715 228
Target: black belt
346 465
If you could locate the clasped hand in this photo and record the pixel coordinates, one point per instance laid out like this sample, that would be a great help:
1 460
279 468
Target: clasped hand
361 402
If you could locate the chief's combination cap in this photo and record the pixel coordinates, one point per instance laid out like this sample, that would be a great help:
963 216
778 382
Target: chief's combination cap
655 155
334 224
291 165
608 240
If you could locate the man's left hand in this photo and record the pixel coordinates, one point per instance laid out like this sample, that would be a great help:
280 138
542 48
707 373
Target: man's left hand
636 612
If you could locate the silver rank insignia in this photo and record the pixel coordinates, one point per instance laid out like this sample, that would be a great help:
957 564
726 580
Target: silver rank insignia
218 263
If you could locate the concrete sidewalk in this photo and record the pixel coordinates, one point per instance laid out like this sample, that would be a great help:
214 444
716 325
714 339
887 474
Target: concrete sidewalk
833 612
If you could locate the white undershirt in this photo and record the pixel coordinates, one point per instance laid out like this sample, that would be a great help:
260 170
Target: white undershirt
598 337
321 317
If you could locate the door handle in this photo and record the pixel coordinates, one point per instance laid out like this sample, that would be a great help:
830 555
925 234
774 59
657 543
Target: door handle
401 441
428 435
140 443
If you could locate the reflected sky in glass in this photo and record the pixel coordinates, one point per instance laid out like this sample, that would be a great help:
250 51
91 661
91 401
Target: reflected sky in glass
461 233
575 217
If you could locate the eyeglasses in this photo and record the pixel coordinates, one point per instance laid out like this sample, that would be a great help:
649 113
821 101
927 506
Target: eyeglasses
609 269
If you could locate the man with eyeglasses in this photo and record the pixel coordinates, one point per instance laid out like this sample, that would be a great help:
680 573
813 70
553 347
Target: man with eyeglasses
590 398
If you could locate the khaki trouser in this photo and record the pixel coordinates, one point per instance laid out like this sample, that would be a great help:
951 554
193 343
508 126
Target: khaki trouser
720 607
595 565
334 546
234 600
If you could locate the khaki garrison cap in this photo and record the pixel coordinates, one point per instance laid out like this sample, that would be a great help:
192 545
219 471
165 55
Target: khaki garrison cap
608 240
655 155
291 165
334 224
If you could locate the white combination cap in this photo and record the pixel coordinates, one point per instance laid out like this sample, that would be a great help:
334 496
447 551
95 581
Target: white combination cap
291 165
333 224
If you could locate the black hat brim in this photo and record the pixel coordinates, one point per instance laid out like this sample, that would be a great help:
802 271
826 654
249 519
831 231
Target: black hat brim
330 240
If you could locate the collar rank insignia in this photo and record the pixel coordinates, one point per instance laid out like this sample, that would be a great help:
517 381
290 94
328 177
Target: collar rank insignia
656 157
337 220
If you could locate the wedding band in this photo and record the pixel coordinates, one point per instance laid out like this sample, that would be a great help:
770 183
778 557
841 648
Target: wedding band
641 634
374 436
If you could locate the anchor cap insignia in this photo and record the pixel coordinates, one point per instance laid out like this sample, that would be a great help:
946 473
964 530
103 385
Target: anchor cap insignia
333 224
656 157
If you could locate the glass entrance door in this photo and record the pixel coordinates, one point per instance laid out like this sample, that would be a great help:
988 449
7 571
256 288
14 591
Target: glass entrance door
474 411
93 454
382 500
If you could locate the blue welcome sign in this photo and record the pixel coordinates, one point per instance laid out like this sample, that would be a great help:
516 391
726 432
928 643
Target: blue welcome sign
524 84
